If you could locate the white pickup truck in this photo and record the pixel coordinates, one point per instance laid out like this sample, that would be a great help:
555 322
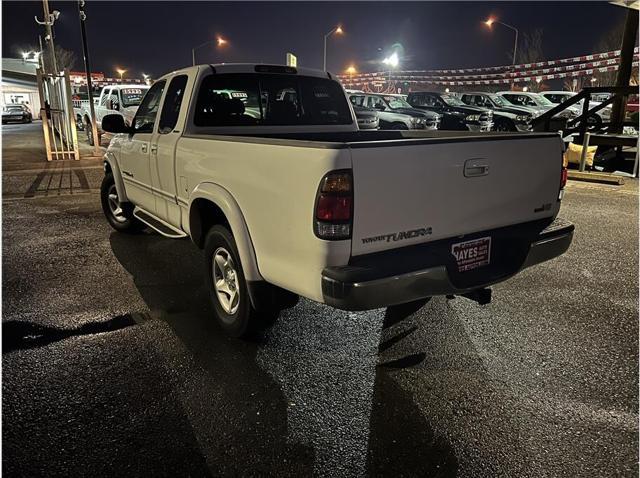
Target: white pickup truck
264 168
114 99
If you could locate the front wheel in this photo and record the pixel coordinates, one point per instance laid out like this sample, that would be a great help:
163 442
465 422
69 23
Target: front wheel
119 214
226 283
504 125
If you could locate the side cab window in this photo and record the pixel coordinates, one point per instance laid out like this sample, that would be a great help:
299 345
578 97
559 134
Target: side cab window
172 104
105 96
146 115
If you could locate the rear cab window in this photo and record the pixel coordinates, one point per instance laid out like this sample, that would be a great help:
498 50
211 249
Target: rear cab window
251 99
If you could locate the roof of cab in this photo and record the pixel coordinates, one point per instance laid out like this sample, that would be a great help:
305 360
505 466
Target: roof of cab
251 68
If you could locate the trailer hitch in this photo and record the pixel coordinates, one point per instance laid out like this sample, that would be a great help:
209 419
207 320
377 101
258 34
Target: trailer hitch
481 296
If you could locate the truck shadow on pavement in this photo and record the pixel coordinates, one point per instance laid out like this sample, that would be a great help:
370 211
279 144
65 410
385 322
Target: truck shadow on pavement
170 278
238 413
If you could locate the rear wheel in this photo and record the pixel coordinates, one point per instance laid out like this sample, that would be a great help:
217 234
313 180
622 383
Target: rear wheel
226 283
119 214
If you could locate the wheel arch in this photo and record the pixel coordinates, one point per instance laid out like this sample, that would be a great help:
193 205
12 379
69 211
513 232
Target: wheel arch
111 166
211 204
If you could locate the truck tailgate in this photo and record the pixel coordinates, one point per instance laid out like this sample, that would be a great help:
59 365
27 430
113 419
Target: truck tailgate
424 191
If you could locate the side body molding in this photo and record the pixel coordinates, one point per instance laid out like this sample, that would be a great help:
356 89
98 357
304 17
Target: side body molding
110 159
225 201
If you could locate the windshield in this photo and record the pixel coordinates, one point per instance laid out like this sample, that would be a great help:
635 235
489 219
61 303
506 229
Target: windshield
132 96
452 100
499 100
394 102
541 100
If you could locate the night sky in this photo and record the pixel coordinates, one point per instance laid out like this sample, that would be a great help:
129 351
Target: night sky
156 37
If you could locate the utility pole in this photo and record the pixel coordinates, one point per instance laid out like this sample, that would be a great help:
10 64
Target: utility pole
48 23
87 69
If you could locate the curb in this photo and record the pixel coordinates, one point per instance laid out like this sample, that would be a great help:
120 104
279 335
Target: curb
590 177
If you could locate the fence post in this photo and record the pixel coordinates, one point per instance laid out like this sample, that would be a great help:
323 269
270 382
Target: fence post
585 146
44 114
71 117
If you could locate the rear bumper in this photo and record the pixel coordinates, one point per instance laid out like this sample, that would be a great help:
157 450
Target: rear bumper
344 287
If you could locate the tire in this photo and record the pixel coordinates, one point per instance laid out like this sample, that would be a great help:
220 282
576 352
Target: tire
399 126
504 125
230 299
119 215
89 132
594 122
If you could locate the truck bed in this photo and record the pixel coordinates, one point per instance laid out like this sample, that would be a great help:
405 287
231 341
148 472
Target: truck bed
365 139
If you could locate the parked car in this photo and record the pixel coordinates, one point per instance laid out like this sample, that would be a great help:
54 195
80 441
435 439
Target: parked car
394 112
557 97
298 201
17 113
114 99
506 117
367 119
536 102
455 114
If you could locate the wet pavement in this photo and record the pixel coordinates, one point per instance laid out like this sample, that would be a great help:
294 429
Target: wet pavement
113 366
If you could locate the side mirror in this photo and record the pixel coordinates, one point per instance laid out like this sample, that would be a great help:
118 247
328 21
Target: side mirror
379 107
109 104
115 124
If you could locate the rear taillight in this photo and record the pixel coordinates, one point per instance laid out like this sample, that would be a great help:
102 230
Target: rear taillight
334 206
563 182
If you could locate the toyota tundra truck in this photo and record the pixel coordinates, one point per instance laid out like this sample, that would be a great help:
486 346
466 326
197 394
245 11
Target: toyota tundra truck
286 197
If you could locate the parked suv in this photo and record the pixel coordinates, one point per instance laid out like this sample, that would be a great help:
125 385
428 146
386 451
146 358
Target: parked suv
537 102
394 112
506 117
455 114
557 97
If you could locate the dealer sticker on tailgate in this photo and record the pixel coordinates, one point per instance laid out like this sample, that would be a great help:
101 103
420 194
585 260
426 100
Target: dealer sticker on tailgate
472 254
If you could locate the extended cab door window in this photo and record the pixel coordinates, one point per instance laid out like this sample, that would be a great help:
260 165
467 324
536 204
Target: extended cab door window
172 104
146 116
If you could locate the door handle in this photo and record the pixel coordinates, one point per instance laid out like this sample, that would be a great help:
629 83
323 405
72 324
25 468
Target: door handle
144 147
475 167
154 148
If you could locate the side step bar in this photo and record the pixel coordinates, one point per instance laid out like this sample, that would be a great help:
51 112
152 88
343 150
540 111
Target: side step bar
158 224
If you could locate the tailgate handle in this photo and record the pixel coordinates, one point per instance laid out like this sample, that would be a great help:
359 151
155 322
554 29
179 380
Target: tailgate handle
475 167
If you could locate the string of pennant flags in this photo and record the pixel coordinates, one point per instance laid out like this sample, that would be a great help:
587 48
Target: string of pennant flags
523 73
501 81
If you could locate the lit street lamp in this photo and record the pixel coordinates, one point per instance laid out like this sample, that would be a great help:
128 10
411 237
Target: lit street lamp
392 61
219 41
120 72
351 70
491 21
146 79
338 30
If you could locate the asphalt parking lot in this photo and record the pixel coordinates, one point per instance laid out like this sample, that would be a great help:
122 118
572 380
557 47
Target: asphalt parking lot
113 366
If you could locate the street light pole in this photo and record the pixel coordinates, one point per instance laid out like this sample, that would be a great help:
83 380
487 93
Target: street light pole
338 30
490 22
87 69
219 41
